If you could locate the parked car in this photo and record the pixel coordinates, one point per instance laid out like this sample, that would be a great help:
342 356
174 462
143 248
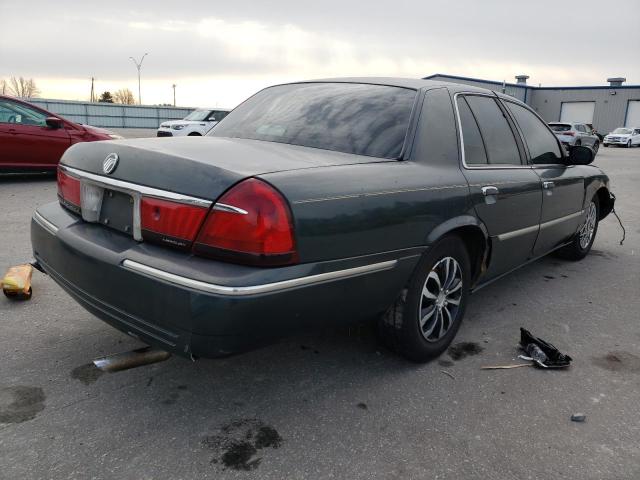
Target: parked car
35 139
318 203
626 136
591 128
197 123
574 134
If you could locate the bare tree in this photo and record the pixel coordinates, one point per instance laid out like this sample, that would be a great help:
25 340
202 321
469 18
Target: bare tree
22 87
124 96
3 87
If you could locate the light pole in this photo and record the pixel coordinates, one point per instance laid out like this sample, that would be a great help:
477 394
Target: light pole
139 66
174 94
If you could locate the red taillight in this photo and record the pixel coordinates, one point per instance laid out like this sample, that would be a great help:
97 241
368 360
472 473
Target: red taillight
69 190
569 133
251 223
169 222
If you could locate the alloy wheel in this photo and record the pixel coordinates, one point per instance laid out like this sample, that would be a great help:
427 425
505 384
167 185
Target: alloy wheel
440 299
588 227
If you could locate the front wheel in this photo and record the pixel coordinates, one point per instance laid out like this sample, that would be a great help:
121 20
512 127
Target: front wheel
629 144
583 240
605 145
596 147
426 317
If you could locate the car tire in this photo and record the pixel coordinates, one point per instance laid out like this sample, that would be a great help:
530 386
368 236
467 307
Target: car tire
605 145
194 134
586 234
578 143
596 147
629 144
423 321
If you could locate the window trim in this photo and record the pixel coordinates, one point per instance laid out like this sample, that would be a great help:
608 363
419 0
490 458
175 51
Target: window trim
516 136
524 139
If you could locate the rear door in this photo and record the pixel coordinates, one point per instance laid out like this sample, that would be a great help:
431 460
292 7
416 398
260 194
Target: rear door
505 192
562 185
27 141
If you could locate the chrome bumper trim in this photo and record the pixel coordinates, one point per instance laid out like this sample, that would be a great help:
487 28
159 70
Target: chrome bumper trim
44 223
257 289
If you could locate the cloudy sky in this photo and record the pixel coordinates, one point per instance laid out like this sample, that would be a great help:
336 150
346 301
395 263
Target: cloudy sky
218 53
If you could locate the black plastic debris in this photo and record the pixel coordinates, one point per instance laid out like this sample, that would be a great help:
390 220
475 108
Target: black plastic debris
578 417
542 353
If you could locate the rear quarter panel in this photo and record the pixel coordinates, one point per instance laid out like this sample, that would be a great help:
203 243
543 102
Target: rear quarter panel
353 210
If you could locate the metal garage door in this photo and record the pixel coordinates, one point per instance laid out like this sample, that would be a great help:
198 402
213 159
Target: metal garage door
581 112
633 114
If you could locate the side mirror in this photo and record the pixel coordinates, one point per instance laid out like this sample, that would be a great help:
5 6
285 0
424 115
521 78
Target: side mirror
581 155
54 122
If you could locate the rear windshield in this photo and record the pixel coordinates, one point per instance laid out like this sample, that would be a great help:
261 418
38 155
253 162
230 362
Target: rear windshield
623 131
345 117
560 127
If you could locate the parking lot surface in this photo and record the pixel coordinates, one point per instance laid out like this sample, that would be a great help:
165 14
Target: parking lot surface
335 404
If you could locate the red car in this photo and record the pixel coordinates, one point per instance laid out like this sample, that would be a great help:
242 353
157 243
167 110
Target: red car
33 139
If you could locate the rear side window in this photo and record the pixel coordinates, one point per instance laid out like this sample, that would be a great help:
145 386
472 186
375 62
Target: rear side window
542 144
559 127
580 128
497 135
474 152
346 117
437 140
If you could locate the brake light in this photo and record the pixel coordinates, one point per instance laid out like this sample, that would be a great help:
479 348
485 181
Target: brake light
569 133
168 222
250 224
69 191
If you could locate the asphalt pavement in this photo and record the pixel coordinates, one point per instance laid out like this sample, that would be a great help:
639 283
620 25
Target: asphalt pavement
335 404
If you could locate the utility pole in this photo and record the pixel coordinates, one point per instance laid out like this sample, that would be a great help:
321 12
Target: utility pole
93 95
174 94
138 65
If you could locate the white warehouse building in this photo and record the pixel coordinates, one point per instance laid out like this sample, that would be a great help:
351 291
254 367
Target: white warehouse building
606 107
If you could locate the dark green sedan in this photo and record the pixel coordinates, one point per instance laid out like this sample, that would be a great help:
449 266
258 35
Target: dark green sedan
318 203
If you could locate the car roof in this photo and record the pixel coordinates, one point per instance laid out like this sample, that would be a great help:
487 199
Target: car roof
413 83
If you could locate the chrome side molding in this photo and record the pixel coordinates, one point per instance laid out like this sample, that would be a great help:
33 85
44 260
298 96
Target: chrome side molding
256 289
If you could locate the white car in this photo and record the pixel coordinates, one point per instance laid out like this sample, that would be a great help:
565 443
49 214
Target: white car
627 136
197 123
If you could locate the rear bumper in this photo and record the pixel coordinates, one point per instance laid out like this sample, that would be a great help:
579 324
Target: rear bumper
194 306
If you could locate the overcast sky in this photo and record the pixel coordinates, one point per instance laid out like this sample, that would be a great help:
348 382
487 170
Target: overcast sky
218 53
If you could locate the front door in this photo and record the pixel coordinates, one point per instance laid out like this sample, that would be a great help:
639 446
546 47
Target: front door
27 141
505 192
562 185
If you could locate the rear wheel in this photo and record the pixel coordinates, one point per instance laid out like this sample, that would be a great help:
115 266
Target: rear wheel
583 240
424 320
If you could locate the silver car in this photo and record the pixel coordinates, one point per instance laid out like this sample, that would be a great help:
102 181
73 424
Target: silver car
572 133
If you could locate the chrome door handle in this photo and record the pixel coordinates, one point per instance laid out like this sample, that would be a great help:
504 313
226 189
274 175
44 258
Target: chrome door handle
548 185
490 190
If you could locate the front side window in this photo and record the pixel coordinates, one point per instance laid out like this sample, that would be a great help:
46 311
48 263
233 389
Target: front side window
542 144
498 138
14 112
353 118
216 115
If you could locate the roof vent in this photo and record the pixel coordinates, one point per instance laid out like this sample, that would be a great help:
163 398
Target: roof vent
522 79
616 81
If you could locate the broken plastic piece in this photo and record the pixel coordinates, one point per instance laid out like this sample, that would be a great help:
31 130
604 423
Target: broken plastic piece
578 417
537 348
16 283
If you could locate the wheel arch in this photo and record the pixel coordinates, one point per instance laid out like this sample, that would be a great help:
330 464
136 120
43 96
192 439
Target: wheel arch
475 237
605 202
